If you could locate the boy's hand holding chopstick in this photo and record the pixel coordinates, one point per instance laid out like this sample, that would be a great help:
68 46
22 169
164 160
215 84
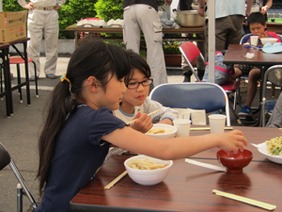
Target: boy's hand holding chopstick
142 122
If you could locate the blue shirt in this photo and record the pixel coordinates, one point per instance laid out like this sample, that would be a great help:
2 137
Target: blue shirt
79 152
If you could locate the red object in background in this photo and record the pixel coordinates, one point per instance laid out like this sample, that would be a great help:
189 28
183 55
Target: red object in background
82 34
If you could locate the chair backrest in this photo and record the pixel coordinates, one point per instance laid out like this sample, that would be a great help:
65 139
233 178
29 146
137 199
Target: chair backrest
274 75
191 52
244 38
199 95
4 157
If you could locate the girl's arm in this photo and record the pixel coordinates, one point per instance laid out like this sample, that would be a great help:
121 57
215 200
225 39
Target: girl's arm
175 148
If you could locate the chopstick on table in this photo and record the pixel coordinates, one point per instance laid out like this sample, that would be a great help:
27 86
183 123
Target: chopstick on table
249 201
118 178
149 114
206 165
207 128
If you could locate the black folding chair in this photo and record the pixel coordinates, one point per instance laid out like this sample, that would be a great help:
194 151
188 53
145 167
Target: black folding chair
22 188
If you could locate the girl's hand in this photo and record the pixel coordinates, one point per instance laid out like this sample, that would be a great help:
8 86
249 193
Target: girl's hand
232 141
142 122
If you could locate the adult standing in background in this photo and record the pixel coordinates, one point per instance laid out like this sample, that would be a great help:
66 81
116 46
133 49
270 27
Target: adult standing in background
229 17
142 15
43 22
185 5
261 6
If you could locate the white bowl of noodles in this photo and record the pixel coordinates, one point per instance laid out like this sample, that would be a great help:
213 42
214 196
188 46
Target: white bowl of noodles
146 170
267 150
163 131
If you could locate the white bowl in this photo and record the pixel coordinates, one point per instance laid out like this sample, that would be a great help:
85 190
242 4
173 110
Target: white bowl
162 131
149 176
268 40
262 148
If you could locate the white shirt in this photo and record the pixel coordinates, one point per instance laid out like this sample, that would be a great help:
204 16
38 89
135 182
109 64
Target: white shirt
42 3
225 8
147 107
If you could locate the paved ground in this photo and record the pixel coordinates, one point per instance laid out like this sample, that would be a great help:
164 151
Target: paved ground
20 135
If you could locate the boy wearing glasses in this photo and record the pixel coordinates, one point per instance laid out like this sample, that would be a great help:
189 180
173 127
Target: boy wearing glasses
136 104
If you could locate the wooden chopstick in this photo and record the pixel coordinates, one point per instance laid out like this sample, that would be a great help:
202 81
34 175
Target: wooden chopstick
149 114
118 178
207 128
249 201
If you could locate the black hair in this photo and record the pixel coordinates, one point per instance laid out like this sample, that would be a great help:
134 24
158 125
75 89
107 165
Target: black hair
91 58
137 62
256 17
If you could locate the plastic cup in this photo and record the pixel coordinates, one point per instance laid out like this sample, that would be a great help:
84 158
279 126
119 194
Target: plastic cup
183 127
217 123
254 40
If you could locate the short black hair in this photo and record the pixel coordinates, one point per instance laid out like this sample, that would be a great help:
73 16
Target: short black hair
256 17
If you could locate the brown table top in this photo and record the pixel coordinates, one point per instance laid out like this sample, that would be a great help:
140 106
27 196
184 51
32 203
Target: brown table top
4 45
236 54
187 187
274 27
74 27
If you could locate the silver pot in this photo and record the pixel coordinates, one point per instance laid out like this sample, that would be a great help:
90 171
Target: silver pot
189 18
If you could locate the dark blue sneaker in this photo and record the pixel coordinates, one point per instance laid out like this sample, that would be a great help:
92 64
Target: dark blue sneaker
245 111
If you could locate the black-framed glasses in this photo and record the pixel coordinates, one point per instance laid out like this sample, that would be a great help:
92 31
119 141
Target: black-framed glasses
135 85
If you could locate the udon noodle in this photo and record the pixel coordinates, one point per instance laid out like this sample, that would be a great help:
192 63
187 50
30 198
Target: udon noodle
274 146
158 131
145 164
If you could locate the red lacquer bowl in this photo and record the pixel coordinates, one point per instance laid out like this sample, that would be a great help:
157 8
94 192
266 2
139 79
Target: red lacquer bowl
235 162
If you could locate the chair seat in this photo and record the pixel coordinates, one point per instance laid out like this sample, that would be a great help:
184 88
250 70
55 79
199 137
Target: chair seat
18 60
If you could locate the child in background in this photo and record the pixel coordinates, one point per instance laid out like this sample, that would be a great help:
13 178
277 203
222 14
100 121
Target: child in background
80 127
136 104
257 26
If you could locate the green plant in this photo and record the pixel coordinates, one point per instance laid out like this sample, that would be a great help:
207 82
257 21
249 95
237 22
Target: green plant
171 47
11 5
73 11
109 9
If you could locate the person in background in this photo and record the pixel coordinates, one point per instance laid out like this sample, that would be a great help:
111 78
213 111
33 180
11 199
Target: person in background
43 22
185 5
259 6
257 26
80 127
276 116
142 16
229 16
